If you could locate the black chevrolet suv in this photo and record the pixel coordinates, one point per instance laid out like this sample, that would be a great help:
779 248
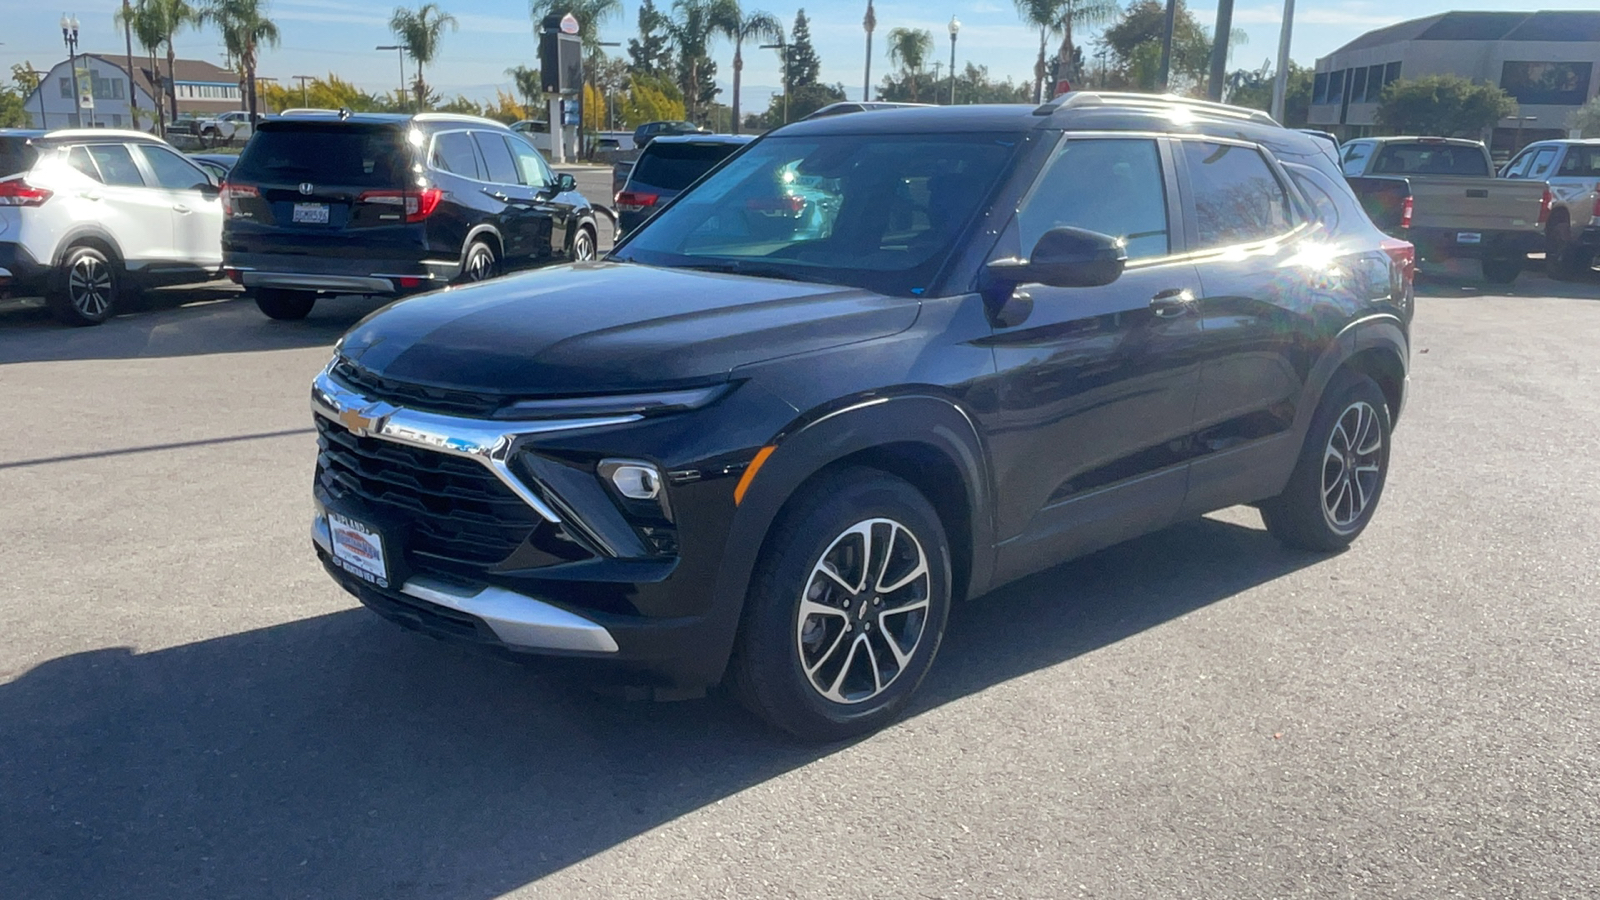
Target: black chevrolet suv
385 205
872 365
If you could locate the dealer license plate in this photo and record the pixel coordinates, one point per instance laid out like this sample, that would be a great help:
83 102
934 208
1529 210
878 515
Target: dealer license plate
311 213
1469 237
358 549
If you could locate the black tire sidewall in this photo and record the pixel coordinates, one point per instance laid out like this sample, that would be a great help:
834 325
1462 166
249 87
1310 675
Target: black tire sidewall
768 664
61 297
474 249
594 243
1296 516
284 305
1501 271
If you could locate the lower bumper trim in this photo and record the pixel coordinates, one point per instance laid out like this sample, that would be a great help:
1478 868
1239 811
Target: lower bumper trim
352 284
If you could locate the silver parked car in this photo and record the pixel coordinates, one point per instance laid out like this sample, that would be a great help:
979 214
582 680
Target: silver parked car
1572 169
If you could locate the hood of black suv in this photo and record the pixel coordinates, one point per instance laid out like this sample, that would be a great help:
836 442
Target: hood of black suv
612 327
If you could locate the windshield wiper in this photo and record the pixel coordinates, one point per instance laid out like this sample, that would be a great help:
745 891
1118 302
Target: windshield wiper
754 270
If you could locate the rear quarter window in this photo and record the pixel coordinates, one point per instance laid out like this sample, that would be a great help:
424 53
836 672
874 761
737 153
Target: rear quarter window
327 153
676 166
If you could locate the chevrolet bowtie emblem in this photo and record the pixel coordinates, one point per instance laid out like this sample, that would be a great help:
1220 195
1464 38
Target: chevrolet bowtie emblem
366 420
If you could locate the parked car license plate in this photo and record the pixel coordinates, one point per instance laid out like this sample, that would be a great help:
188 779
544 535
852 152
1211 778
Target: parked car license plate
1469 237
358 549
311 213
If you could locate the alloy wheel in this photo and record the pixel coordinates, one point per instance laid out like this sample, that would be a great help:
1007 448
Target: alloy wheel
480 265
1351 465
583 246
89 286
863 611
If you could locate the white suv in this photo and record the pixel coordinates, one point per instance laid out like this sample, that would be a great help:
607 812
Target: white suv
86 215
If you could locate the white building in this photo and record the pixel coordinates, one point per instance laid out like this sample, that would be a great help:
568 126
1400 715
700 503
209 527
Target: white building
1546 60
200 86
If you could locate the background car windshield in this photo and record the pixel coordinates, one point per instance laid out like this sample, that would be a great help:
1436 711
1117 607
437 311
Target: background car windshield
876 211
352 155
676 166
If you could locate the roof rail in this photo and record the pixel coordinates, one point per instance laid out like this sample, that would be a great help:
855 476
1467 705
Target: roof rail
1076 99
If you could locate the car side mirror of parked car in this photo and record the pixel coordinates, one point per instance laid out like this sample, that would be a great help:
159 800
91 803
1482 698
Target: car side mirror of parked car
1065 257
565 183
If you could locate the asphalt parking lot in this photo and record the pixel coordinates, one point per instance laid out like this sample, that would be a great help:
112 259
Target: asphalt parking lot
190 709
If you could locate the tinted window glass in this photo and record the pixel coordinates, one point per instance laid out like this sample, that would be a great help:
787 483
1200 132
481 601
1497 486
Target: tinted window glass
15 156
1543 161
326 153
1114 187
676 166
877 211
172 171
1581 162
453 153
502 168
78 158
1430 159
1518 167
1355 158
116 165
530 164
1236 197
1316 188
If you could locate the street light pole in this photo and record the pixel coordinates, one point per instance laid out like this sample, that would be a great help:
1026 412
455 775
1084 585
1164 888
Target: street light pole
955 28
303 95
783 50
38 77
402 57
69 36
1280 81
868 22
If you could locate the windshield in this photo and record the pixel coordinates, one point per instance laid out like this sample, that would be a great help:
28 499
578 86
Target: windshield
673 166
344 154
1431 159
876 211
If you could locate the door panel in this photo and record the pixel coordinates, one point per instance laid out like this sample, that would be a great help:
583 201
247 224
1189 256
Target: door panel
150 233
1096 386
197 220
524 218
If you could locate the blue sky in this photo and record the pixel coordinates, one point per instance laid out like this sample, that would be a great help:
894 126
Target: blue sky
338 35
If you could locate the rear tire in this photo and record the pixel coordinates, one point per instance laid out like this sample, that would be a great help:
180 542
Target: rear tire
87 287
859 561
1501 270
1339 479
480 265
1563 258
584 246
288 306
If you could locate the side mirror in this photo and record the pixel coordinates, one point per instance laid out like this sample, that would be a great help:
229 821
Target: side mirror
565 182
1066 257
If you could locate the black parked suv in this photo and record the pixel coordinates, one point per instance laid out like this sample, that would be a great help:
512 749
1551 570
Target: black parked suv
666 167
870 366
382 205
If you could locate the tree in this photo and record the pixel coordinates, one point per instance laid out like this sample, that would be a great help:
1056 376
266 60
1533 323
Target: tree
804 64
13 113
909 49
461 106
1079 12
651 52
741 26
155 23
693 25
1135 40
332 92
1442 105
803 100
1253 89
149 30
419 31
505 108
1585 119
1040 14
527 84
244 27
651 99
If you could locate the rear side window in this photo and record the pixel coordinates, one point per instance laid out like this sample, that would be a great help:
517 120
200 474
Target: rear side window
1237 198
326 153
116 165
453 152
674 167
16 156
502 168
78 158
1581 162
1316 188
172 171
1431 159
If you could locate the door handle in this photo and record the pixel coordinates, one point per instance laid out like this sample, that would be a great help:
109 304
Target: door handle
181 208
1172 303
89 195
498 196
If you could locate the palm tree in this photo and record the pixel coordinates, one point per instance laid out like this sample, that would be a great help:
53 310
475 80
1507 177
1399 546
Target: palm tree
1044 15
419 31
693 25
245 27
743 26
1080 12
148 22
909 49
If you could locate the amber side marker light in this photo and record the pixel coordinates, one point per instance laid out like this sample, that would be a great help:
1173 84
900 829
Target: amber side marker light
750 473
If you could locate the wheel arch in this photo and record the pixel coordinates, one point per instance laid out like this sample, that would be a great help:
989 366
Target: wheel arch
482 232
84 235
1379 349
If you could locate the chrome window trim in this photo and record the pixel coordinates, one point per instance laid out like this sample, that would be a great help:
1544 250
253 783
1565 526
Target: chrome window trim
488 443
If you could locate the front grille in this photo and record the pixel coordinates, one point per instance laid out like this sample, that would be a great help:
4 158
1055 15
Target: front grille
416 396
458 515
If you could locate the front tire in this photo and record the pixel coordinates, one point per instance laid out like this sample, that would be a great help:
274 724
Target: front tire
846 609
88 286
1343 466
584 247
287 306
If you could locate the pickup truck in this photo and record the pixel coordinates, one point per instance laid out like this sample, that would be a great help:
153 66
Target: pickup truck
1451 205
1572 169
